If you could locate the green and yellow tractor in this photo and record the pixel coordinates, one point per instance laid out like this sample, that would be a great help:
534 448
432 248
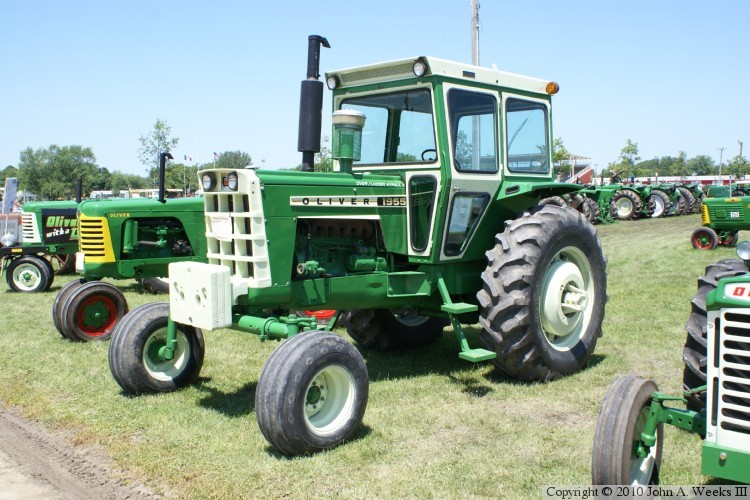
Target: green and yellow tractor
432 217
722 219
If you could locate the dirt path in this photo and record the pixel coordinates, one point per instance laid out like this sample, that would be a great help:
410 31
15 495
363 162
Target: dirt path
38 464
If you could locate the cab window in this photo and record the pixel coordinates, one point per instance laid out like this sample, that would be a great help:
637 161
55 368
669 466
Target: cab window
398 128
473 119
526 136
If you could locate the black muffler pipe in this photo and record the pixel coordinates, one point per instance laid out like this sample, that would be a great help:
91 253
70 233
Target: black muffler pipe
79 190
162 169
311 105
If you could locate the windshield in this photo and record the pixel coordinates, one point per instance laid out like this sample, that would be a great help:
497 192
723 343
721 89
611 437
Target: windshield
399 127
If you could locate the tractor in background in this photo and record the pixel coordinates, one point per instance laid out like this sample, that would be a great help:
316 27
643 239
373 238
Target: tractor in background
722 219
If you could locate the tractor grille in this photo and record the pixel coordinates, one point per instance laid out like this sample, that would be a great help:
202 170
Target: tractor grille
94 239
725 212
236 229
29 231
733 362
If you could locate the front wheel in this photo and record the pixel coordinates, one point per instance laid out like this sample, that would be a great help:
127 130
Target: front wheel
29 274
544 292
704 238
619 454
136 357
57 306
312 393
91 311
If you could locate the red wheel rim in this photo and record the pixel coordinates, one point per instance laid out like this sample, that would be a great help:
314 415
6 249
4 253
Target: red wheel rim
96 316
320 314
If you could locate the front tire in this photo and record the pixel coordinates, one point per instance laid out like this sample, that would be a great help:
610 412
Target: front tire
29 274
704 238
57 306
91 311
134 353
385 329
542 302
619 456
312 393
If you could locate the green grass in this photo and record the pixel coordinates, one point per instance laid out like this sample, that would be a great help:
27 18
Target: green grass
435 425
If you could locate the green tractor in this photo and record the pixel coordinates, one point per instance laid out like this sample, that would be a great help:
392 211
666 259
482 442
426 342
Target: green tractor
722 219
716 378
629 201
598 205
126 238
433 217
49 239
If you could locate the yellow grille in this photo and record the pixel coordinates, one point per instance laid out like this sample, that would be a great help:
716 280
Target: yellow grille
95 241
705 218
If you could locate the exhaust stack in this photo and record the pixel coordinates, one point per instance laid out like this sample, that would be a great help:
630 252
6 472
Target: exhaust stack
162 169
311 104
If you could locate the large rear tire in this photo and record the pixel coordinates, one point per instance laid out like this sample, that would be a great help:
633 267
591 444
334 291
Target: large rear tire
312 393
619 456
544 292
661 202
627 204
135 358
594 212
690 202
695 350
156 286
386 329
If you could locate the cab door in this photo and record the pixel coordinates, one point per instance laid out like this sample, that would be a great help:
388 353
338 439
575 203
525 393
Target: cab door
475 170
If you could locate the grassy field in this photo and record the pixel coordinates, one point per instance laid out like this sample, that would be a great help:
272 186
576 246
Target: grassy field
435 425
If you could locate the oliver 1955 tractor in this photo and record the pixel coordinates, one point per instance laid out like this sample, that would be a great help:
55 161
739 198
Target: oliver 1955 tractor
722 219
433 217
716 380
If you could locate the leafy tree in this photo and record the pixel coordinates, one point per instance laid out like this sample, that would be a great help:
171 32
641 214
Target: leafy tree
154 143
180 176
701 165
120 181
51 173
9 171
738 166
233 160
629 155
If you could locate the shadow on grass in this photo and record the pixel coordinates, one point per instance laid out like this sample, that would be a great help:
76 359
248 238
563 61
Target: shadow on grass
234 404
362 432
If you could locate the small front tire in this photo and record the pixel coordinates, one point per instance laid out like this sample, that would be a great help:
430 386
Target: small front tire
91 311
29 274
135 353
619 456
312 393
704 238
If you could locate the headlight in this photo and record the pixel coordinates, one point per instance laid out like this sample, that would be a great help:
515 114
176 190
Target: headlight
230 181
419 68
332 82
208 181
743 250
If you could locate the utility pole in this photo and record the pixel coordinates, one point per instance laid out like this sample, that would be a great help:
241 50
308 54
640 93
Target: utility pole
475 132
721 159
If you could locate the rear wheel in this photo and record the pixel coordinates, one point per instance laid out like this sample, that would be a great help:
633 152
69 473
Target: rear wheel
728 238
155 285
704 238
661 203
542 302
136 357
619 456
386 329
29 274
91 311
594 212
627 204
62 263
312 393
694 352
322 316
690 202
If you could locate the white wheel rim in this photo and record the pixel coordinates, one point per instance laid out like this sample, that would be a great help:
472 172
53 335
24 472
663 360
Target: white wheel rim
642 469
624 207
27 276
566 300
658 206
165 369
329 400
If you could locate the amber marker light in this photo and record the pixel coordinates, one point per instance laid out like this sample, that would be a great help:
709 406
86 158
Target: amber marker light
552 88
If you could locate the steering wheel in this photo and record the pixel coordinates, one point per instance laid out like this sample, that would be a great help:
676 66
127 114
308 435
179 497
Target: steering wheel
426 151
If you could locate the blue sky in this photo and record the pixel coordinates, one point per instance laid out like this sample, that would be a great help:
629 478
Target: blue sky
670 75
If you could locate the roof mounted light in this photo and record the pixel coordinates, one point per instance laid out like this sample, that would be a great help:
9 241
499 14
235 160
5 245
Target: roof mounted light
208 181
552 88
419 67
332 82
